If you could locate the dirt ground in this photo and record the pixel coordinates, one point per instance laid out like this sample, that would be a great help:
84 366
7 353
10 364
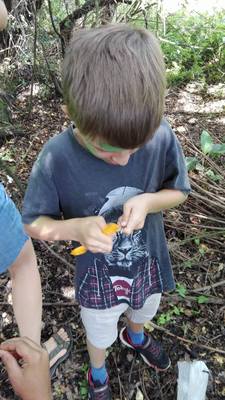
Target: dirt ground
191 320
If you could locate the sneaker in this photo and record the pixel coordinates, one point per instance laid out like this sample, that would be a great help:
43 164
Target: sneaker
151 351
97 391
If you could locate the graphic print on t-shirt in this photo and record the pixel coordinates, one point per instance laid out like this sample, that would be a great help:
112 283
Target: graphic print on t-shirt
127 274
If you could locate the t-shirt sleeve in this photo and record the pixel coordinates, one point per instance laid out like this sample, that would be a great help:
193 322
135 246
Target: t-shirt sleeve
41 197
175 172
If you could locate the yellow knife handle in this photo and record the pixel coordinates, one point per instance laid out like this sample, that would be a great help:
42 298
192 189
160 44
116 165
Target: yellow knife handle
109 229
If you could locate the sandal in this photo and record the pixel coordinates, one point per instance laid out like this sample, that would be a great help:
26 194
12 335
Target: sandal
60 344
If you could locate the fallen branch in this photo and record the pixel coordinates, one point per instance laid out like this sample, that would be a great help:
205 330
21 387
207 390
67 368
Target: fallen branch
202 289
203 346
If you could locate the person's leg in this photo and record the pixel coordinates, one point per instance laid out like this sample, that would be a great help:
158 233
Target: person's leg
26 293
3 15
17 256
101 332
58 347
137 318
97 361
133 335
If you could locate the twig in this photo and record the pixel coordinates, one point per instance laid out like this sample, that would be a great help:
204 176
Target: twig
159 386
62 259
46 304
34 56
191 225
210 300
201 216
119 380
207 200
202 289
167 332
55 29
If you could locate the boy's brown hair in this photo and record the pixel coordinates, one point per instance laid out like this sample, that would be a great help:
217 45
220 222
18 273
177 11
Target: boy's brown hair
114 84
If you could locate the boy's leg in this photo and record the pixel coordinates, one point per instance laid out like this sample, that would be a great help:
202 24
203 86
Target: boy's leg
101 332
134 336
17 256
97 356
146 313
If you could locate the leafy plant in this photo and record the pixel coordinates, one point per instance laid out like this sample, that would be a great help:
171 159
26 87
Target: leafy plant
164 318
202 299
181 289
193 45
208 147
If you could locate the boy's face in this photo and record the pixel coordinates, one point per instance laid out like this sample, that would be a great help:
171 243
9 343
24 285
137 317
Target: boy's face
110 154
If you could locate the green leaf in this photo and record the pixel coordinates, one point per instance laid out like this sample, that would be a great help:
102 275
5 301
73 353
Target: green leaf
177 310
206 142
191 163
83 391
213 176
187 264
218 149
202 299
181 290
164 318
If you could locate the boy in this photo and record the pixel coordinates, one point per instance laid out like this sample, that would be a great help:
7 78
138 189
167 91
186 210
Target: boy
119 163
17 255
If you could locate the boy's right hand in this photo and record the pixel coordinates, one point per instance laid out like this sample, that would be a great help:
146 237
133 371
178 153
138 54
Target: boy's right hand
90 235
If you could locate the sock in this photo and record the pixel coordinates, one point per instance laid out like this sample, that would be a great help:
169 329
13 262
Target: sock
99 374
136 338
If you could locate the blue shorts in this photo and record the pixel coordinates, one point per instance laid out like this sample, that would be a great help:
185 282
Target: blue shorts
12 234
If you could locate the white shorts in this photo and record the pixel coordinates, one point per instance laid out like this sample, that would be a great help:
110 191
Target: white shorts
101 325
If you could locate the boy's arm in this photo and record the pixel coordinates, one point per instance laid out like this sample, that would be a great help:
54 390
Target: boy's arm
136 209
163 200
26 293
87 231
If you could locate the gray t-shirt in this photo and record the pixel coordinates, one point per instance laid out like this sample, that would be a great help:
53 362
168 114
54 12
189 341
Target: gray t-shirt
67 180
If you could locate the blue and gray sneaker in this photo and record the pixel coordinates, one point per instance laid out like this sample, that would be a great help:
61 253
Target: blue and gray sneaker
97 391
151 351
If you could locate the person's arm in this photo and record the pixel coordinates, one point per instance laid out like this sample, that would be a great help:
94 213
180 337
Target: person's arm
136 209
3 16
87 231
26 293
31 380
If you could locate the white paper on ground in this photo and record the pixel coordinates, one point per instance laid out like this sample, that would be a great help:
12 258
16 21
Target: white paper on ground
192 380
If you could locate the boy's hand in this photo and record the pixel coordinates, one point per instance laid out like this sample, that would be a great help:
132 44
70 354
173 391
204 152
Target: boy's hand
91 236
31 380
134 213
136 209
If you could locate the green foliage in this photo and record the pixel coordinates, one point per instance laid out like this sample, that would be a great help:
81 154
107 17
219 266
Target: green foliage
202 299
208 147
194 47
83 389
211 149
181 289
83 385
170 315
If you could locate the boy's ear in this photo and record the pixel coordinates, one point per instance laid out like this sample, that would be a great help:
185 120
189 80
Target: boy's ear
65 109
3 16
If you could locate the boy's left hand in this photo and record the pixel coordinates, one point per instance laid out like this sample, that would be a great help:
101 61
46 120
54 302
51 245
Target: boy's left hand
135 211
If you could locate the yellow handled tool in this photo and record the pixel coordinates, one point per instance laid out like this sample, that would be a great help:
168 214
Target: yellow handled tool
109 229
